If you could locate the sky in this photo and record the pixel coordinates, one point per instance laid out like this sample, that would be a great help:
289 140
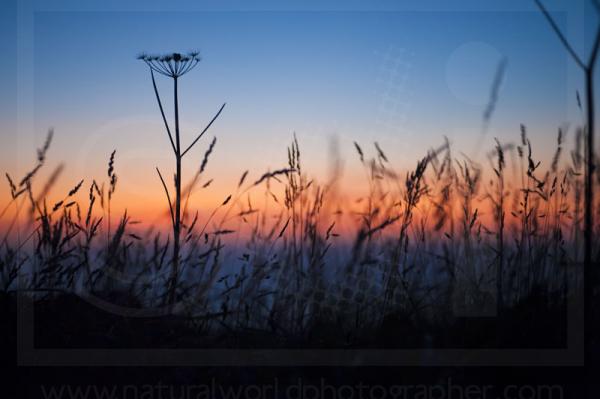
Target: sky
404 74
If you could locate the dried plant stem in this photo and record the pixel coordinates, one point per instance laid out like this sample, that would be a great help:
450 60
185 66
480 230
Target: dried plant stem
177 224
175 65
588 69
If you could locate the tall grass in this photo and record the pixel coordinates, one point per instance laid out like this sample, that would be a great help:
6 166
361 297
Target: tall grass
435 243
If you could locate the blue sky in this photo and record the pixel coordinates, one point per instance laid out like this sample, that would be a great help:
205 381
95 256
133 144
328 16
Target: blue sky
402 73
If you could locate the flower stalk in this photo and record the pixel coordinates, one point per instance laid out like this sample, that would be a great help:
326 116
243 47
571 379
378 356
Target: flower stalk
174 66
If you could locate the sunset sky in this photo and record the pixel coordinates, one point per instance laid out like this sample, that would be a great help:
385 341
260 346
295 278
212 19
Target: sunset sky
398 72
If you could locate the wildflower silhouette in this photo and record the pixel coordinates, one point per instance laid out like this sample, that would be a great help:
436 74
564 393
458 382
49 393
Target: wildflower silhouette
174 65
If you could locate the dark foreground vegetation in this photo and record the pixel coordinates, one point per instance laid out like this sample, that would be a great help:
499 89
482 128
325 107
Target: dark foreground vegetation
442 256
452 254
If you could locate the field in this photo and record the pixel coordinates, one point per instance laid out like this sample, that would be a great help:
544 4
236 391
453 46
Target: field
445 241
449 254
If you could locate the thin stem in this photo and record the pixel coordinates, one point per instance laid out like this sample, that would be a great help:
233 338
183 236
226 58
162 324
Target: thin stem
594 54
160 68
177 225
560 35
204 131
168 197
588 215
500 267
162 112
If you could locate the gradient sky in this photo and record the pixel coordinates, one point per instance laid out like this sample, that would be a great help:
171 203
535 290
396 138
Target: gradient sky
401 73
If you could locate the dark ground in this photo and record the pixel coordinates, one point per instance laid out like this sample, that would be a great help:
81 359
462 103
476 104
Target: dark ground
68 322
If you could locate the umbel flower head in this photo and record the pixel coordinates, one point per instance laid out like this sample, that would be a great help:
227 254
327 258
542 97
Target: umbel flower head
172 64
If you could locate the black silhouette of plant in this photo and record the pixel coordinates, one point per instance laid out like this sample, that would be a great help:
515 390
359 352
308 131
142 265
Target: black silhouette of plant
588 67
175 65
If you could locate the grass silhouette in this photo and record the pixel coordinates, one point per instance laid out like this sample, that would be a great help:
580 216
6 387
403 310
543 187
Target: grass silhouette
451 239
423 251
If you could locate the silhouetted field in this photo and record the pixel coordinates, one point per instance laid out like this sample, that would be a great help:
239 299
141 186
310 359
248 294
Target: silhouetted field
446 255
